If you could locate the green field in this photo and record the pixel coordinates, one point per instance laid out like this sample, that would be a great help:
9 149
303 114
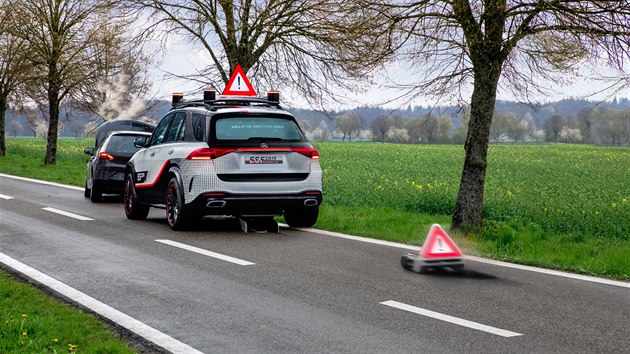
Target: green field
30 322
558 206
569 189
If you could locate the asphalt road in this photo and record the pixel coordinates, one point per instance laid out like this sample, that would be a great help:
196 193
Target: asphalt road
299 291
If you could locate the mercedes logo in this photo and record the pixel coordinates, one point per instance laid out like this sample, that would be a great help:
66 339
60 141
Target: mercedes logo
264 145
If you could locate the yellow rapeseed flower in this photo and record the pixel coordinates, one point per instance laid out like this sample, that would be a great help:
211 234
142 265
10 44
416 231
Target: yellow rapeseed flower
614 205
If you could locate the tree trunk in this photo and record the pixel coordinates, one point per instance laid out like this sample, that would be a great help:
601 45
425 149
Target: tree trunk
53 123
469 205
3 111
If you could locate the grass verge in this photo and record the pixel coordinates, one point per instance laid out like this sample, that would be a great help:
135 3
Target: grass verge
31 322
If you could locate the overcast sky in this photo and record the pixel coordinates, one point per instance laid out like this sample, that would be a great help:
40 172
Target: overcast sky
185 59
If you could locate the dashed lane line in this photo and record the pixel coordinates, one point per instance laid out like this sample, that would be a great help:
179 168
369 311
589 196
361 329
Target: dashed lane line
205 252
450 319
5 197
68 214
161 339
406 247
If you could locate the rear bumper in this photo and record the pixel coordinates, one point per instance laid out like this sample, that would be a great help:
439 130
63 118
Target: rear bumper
253 205
110 179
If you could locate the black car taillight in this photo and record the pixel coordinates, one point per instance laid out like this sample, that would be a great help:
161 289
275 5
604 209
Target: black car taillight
105 156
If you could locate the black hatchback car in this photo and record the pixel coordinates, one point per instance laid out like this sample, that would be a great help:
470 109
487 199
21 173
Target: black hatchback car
114 147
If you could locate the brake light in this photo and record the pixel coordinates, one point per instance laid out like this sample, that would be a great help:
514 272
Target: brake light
308 152
105 156
208 153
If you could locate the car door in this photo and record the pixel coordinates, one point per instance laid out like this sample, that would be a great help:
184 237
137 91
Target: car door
149 162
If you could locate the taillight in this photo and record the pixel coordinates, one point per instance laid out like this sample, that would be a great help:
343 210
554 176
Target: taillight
208 153
200 154
105 156
308 152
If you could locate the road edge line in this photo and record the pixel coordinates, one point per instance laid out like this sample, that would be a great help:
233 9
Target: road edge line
558 273
42 182
143 330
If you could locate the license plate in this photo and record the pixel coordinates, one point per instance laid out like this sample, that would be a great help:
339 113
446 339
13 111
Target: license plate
263 160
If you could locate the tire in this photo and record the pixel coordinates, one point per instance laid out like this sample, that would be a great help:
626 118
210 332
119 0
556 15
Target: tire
303 217
86 191
96 194
133 208
176 214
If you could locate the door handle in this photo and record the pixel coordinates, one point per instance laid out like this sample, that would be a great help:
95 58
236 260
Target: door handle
171 151
152 154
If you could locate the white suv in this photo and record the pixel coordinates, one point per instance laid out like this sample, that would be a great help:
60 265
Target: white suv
244 157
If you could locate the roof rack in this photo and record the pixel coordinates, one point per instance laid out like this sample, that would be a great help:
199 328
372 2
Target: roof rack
211 102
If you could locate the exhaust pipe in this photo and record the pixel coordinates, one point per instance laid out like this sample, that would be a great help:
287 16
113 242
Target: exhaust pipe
216 204
310 202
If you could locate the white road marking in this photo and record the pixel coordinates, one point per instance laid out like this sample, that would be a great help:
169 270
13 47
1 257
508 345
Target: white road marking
5 197
451 319
591 279
357 238
42 182
407 247
65 213
206 252
143 330
557 273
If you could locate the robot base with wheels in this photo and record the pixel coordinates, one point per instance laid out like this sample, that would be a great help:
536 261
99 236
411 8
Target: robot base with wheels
414 262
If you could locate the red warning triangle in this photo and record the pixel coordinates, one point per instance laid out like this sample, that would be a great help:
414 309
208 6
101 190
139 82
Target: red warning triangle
439 245
239 85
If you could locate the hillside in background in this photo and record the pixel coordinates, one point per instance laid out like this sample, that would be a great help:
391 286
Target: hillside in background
74 122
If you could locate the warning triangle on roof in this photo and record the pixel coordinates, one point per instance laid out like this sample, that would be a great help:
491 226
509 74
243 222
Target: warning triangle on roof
239 85
439 245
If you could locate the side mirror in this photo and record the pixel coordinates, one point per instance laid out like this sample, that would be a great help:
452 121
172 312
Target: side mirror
141 142
89 151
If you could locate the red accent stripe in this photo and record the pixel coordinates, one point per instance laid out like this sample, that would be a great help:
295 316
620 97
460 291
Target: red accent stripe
145 185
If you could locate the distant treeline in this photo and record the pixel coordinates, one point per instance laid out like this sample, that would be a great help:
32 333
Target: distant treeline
570 120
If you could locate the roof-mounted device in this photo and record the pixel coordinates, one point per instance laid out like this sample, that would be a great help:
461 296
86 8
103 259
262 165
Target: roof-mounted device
177 98
273 96
213 102
209 94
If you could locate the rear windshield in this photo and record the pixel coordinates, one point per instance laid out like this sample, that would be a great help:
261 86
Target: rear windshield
122 143
257 128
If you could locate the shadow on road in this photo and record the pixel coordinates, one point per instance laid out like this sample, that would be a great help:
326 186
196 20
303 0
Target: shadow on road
466 273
